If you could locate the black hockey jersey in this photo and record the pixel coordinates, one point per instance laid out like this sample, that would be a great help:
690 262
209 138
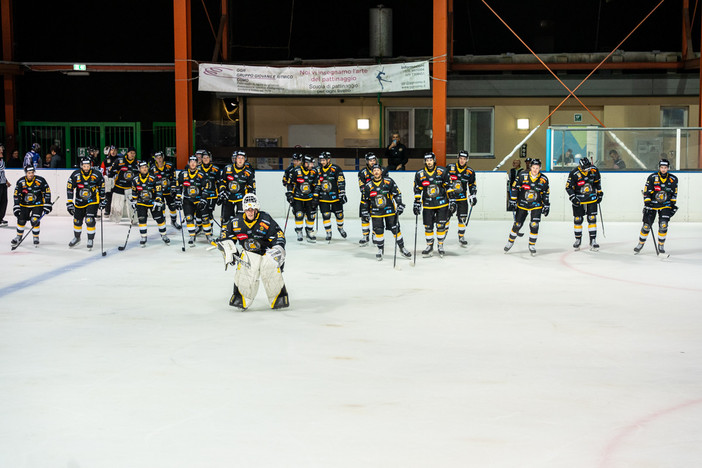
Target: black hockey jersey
365 175
584 184
213 175
165 176
30 194
191 185
237 182
380 197
661 191
85 189
146 189
124 171
303 184
462 182
530 193
255 236
431 187
331 183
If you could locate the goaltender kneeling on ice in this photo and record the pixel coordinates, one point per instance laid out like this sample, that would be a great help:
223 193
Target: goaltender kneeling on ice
262 256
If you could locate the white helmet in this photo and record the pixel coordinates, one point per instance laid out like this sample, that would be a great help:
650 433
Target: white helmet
250 201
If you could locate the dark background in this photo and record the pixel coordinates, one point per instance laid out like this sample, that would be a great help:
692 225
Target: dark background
142 32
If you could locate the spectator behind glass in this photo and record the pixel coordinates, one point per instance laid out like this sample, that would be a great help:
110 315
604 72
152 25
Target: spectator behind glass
14 162
55 157
4 184
396 154
47 161
617 162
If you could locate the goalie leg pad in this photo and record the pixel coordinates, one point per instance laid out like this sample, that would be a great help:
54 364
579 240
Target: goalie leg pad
246 278
117 207
273 283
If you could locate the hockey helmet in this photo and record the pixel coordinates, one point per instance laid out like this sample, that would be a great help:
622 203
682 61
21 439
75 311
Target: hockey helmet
85 160
192 157
142 164
376 166
297 157
664 162
585 162
35 146
250 202
325 155
535 162
28 168
158 154
463 154
130 149
369 156
91 149
429 156
106 150
307 159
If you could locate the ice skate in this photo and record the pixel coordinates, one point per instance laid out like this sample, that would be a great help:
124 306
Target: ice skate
165 239
89 245
532 250
405 253
440 250
379 254
462 240
299 236
36 241
175 224
3 223
661 249
428 251
191 242
638 248
594 246
508 246
74 241
15 242
576 244
328 236
364 240
311 238
142 242
208 239
342 233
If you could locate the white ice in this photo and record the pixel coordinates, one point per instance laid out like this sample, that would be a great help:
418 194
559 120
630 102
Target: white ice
480 359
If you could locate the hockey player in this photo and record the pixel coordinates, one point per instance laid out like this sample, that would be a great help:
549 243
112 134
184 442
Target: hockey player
430 193
660 197
110 153
365 175
303 197
585 193
190 188
294 162
213 176
32 200
332 194
123 171
85 193
147 195
530 195
164 173
381 201
262 256
236 182
463 191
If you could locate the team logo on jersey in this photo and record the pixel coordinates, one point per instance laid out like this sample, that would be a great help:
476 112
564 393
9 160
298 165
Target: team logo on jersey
661 196
233 186
305 188
84 193
457 186
530 195
145 195
29 198
432 191
193 191
129 175
586 189
326 186
252 245
380 201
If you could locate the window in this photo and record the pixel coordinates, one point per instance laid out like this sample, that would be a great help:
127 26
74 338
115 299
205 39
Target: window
468 129
673 116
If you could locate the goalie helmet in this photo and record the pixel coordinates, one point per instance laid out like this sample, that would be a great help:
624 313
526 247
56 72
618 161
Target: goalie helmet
106 150
250 202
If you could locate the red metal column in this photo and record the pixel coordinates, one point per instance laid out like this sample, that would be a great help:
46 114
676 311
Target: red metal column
8 77
183 83
225 32
439 72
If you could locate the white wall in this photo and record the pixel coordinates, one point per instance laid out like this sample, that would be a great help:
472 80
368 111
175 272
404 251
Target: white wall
622 194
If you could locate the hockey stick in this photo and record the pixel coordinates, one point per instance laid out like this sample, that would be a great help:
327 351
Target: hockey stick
32 227
599 207
394 256
131 222
102 244
287 217
182 228
416 224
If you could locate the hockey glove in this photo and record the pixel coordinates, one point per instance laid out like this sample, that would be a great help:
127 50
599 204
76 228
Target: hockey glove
103 203
222 198
178 203
314 203
546 210
133 205
47 208
16 211
343 198
673 210
512 205
277 254
574 200
289 197
400 209
473 200
452 207
417 208
158 205
71 208
600 195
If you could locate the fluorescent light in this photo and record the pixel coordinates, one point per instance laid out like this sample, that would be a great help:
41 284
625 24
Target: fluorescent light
363 124
522 124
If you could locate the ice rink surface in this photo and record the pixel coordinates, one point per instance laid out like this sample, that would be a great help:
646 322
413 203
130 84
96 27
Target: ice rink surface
480 359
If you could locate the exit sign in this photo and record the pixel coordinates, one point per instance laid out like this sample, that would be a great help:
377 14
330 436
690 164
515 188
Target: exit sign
79 67
577 118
